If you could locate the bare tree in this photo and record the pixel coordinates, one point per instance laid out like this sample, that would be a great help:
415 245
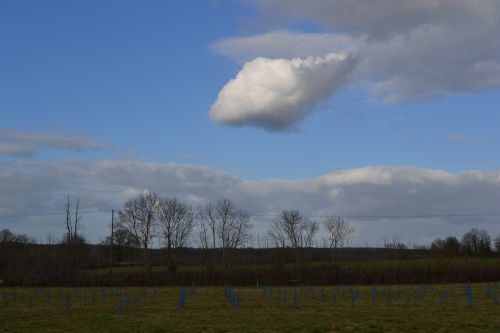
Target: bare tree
73 224
123 240
293 230
447 247
225 213
238 233
77 221
338 232
222 224
6 236
476 242
233 227
138 216
68 222
309 230
176 220
291 223
497 243
207 225
394 242
277 235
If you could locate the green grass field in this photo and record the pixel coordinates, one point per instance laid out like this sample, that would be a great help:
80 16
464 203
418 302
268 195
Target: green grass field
434 263
412 309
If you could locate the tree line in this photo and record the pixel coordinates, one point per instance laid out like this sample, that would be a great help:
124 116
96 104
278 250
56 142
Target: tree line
474 242
218 224
217 233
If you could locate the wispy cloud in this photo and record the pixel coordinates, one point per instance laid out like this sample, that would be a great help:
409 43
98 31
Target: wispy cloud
459 138
462 138
26 144
283 44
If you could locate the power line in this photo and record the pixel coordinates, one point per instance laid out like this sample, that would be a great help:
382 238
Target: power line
417 216
388 216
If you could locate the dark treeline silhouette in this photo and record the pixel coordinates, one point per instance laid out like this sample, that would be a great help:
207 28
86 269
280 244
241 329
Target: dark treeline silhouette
209 244
475 242
60 264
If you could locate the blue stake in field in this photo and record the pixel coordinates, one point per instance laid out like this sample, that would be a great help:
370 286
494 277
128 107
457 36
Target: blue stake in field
374 293
5 298
30 302
182 300
354 296
408 299
468 293
120 306
388 296
193 289
68 302
48 297
232 296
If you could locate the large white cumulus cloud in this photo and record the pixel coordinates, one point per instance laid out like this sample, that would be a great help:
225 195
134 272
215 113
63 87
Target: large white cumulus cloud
278 93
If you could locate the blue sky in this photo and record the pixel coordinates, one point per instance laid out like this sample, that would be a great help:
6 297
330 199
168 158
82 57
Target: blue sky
141 78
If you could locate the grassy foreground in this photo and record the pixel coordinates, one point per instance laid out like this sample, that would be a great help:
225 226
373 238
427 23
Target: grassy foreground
416 308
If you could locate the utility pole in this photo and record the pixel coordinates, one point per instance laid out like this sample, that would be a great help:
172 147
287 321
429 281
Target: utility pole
112 236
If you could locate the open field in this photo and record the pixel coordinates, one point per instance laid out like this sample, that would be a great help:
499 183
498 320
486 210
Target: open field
394 271
432 263
409 308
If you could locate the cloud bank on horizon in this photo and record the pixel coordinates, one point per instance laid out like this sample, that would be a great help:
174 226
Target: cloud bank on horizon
414 50
375 191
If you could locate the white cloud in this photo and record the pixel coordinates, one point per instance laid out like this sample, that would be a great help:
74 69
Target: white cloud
411 50
276 94
26 144
375 191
